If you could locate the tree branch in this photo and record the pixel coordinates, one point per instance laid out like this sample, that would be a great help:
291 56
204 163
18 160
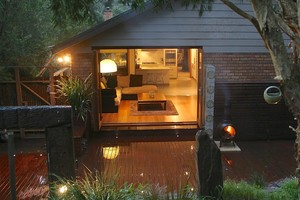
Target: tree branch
289 9
293 33
288 19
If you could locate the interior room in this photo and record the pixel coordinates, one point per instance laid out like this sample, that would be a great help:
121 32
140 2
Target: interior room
149 88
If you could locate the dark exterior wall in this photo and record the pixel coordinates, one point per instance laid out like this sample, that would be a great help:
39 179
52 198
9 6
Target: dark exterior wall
241 67
252 117
220 30
242 79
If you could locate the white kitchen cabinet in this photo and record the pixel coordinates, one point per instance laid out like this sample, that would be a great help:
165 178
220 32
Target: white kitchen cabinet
171 62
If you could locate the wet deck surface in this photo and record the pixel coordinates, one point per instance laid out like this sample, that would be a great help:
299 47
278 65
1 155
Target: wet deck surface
162 161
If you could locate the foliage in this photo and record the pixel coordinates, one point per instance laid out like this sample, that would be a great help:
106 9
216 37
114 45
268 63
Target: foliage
289 189
23 34
65 10
91 11
242 190
99 186
5 75
257 179
27 34
78 94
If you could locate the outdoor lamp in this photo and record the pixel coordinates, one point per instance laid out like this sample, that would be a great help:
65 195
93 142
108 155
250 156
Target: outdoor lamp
65 62
108 66
111 152
65 59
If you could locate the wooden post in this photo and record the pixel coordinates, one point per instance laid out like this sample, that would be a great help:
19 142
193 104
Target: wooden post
96 104
52 89
11 158
18 86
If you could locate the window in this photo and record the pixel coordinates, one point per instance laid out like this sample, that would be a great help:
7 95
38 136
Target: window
120 58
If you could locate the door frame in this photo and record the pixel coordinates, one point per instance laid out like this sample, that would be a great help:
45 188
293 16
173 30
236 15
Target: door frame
199 74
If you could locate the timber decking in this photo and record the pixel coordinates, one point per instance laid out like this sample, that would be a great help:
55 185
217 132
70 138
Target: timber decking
31 176
145 159
170 161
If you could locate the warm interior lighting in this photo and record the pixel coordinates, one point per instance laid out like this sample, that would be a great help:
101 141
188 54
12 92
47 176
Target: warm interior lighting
108 66
111 152
230 130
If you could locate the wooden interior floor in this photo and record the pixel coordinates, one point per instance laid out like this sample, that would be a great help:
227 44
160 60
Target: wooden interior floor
185 106
181 91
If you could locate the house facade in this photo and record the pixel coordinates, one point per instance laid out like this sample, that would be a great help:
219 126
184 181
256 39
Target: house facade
219 37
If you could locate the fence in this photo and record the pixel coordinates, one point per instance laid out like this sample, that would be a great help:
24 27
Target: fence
20 92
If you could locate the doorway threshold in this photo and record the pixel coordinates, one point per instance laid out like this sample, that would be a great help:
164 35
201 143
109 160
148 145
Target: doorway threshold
149 126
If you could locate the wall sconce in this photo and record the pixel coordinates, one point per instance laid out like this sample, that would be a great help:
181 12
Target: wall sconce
65 62
64 59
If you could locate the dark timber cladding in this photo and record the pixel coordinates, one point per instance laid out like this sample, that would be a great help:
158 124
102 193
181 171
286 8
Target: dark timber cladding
250 114
219 30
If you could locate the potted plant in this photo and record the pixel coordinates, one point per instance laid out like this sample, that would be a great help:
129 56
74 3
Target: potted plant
78 94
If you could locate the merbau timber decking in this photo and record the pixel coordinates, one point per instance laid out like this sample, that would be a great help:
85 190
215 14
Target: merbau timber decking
163 161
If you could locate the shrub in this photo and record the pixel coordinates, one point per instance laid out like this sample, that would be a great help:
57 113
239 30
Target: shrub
98 186
257 179
242 190
289 189
78 94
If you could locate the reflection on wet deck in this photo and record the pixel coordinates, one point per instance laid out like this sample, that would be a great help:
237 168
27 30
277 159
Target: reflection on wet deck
31 176
164 163
148 159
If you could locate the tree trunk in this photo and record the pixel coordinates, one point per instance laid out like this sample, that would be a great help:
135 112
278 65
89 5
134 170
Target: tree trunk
297 149
286 71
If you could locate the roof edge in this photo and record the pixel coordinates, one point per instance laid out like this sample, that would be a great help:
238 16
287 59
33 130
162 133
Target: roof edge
101 27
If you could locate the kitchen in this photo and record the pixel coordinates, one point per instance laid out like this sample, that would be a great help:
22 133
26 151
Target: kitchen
156 65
